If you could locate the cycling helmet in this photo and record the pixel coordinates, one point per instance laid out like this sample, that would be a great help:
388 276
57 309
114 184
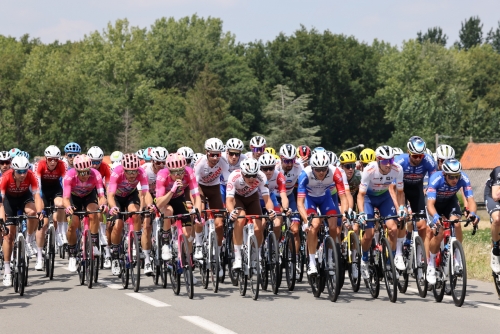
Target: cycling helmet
277 157
258 141
140 153
347 157
235 144
114 164
267 159
304 152
95 153
159 154
146 154
318 149
176 160
116 156
416 145
130 162
24 154
4 155
52 152
14 152
72 148
397 151
333 157
196 157
451 166
214 144
445 152
187 152
319 159
270 150
367 155
224 148
384 152
249 166
288 151
82 162
428 151
19 162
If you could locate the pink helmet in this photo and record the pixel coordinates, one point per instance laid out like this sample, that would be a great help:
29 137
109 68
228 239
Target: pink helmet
130 162
176 160
82 162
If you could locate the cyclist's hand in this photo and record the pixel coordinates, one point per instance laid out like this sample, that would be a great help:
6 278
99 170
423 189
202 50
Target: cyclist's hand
351 215
114 210
104 208
305 227
272 214
233 214
177 184
362 217
435 219
287 211
402 211
473 218
41 215
69 210
202 222
152 208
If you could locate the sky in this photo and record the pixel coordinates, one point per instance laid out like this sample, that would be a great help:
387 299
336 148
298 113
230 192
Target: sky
250 20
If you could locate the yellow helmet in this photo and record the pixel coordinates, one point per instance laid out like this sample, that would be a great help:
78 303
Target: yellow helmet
270 150
367 155
277 157
347 157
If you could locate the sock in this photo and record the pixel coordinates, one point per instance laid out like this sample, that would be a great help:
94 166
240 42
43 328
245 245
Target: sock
312 259
108 251
147 258
72 250
365 256
496 248
199 238
237 252
28 238
114 252
6 267
65 227
432 260
39 255
166 236
399 246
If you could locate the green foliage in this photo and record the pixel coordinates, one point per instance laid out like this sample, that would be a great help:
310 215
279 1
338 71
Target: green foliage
493 38
471 33
433 35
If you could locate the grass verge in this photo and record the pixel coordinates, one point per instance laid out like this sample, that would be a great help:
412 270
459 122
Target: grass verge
477 250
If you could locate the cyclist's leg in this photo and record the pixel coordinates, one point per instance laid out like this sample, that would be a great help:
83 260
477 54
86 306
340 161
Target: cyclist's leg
47 198
147 229
10 208
91 205
368 233
295 221
494 212
238 230
312 235
457 212
214 197
278 220
386 207
328 206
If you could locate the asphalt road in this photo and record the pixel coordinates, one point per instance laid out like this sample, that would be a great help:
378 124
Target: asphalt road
61 306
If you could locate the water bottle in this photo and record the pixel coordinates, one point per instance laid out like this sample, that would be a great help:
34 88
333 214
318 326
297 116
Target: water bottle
179 267
446 259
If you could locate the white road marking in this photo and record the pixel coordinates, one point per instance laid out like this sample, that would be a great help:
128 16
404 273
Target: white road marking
147 299
470 302
207 325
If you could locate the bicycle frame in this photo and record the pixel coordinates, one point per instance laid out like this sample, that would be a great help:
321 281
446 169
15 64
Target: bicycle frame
178 225
209 226
448 239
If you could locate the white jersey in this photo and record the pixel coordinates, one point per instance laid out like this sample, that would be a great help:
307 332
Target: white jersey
148 168
311 186
374 183
211 176
292 176
344 180
236 185
232 168
276 183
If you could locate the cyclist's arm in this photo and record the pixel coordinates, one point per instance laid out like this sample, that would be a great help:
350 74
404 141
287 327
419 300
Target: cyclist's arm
269 203
361 200
111 200
38 202
495 193
284 200
344 202
163 200
471 204
230 203
301 207
431 209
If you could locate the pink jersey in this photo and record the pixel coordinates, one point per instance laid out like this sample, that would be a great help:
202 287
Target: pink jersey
164 183
120 186
73 186
237 185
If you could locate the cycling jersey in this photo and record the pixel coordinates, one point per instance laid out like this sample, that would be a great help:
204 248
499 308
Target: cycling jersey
374 183
494 180
8 184
73 186
276 183
292 176
440 191
333 190
164 183
119 185
211 176
354 182
309 185
232 168
414 175
105 171
148 168
48 177
236 185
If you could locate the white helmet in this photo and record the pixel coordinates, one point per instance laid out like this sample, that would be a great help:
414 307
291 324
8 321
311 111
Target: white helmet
95 153
249 166
116 156
416 145
20 162
445 152
196 157
452 166
288 151
257 141
114 164
52 152
159 153
267 159
140 154
5 155
234 144
428 151
397 151
333 158
319 159
214 144
185 151
384 152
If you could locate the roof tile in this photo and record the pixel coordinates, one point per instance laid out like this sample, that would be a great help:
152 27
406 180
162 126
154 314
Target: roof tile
481 156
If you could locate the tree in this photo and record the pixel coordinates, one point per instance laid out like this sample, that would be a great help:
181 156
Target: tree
494 38
433 35
128 139
288 119
471 33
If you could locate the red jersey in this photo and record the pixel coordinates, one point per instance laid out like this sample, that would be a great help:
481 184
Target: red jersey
8 185
105 171
48 177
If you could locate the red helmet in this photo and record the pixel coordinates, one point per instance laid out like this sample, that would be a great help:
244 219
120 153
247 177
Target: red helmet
82 162
304 152
176 160
130 162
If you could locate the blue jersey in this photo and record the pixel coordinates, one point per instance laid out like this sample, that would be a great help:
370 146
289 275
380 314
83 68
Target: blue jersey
414 175
440 191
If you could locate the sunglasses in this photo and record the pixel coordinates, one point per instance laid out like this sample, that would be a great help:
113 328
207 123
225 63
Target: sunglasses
417 156
320 169
52 159
386 162
71 155
179 171
96 162
213 155
258 149
440 161
287 161
84 173
21 171
159 163
267 169
250 176
453 176
5 162
131 172
234 154
349 166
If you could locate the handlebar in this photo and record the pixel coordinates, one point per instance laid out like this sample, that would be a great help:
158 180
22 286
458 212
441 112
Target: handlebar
455 221
313 216
197 213
383 218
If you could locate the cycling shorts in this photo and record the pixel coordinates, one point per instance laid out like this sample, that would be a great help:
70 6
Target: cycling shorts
325 205
12 205
384 204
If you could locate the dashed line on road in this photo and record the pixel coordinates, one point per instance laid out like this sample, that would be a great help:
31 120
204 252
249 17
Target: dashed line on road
470 302
207 325
147 299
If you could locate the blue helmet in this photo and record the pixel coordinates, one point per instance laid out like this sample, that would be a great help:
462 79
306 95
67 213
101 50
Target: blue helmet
14 152
24 154
146 154
72 148
319 149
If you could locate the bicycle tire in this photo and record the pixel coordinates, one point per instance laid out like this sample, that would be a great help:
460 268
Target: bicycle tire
264 271
102 259
175 277
26 266
273 262
233 276
421 282
242 281
46 268
214 263
222 262
302 255
496 282
89 252
253 271
124 264
290 260
96 268
373 282
458 281
15 269
204 272
389 274
403 284
135 263
188 270
21 256
52 251
332 271
80 269
355 281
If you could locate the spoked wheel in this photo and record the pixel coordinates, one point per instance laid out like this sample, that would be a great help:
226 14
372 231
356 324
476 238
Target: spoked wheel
353 268
332 270
274 265
102 257
188 269
135 262
420 267
204 271
15 265
96 268
264 270
175 276
496 281
124 266
26 267
89 261
289 261
242 280
373 282
214 262
80 269
389 270
229 259
458 280
302 262
438 288
21 265
253 271
62 251
222 262
50 253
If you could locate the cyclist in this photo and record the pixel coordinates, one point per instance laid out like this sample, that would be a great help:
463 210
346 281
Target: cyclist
233 156
242 198
140 155
444 152
315 183
376 179
188 154
270 150
82 191
442 201
71 150
304 154
116 159
5 161
397 152
416 164
348 164
14 152
257 147
492 201
17 195
365 157
48 172
196 157
146 154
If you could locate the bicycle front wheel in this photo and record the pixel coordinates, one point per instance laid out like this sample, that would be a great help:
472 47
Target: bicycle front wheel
264 271
233 275
188 270
253 271
21 265
332 268
214 261
289 260
354 266
274 265
496 281
389 270
135 262
458 280
51 254
420 270
89 261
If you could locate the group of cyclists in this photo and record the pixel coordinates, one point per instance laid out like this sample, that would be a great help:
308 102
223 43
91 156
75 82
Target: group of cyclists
292 182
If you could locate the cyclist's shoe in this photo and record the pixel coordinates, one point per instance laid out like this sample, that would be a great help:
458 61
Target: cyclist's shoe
399 262
72 264
7 279
365 272
148 270
237 264
115 268
198 254
166 253
39 265
311 270
354 271
221 272
97 251
495 263
431 275
30 252
107 263
59 240
195 281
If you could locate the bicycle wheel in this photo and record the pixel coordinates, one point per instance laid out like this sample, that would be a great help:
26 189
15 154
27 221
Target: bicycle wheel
204 266
214 263
89 261
373 282
21 265
496 281
302 262
124 263
234 276
80 269
420 267
188 270
135 263
242 280
389 270
438 288
264 271
253 271
458 281
26 266
102 258
175 275
273 264
289 260
332 270
96 268
50 257
403 284
355 262
222 262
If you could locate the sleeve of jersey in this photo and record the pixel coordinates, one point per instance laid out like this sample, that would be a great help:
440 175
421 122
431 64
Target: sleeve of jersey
193 185
303 182
230 187
467 187
160 185
433 185
3 186
225 172
365 181
34 183
197 168
67 186
98 183
113 183
338 180
281 182
144 182
344 179
38 175
431 167
399 179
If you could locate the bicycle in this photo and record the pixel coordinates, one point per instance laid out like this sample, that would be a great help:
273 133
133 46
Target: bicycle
447 265
158 264
288 253
3 232
227 252
87 265
210 265
49 248
327 261
270 265
350 242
